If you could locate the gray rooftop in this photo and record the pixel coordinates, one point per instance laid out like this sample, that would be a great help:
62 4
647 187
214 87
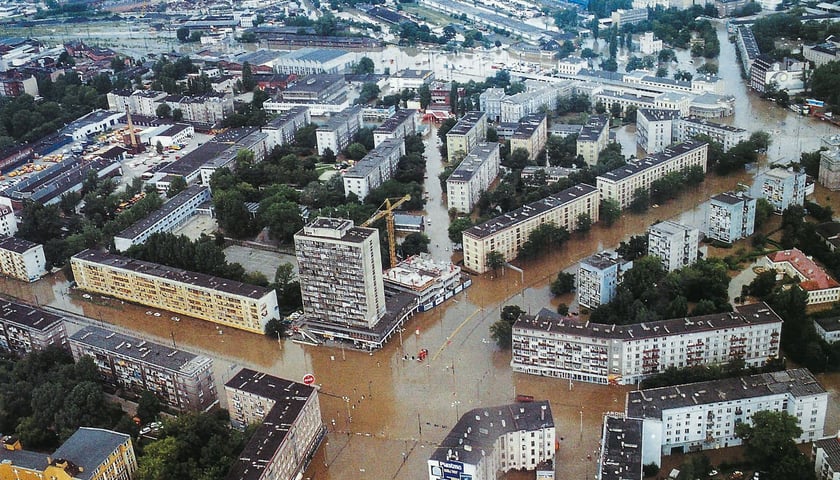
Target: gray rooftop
191 162
315 83
651 161
670 227
259 57
319 55
731 198
174 274
164 211
831 445
829 324
24 459
349 233
522 214
658 114
593 128
16 244
285 117
603 260
652 402
473 161
341 117
88 448
376 157
394 121
466 123
621 449
478 430
412 73
290 398
27 315
528 125
141 350
549 321
706 123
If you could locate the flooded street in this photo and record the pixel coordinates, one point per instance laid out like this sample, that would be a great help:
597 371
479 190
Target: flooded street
399 409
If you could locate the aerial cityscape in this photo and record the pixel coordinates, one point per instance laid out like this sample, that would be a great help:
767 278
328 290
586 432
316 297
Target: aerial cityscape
421 239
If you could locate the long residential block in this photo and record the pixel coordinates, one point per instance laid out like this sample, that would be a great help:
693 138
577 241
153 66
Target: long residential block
400 125
338 131
376 168
506 233
219 300
26 328
726 135
171 215
703 415
530 134
486 441
470 130
22 259
472 177
281 129
621 184
289 429
181 381
553 345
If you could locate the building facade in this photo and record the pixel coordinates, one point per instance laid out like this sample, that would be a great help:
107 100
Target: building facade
597 277
171 215
530 134
813 279
22 259
703 415
654 128
593 138
400 125
26 328
310 61
506 233
782 188
726 135
675 245
828 328
281 129
622 183
472 177
829 175
225 302
8 223
180 380
730 217
826 456
376 168
290 427
470 130
340 271
338 131
496 439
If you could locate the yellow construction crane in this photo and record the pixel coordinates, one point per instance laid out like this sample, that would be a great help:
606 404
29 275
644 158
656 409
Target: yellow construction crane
387 210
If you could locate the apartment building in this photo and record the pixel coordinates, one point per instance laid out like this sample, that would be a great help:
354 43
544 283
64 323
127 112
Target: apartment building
281 129
26 328
726 135
621 184
377 167
400 125
22 259
648 45
597 277
571 65
703 415
530 134
473 176
289 428
485 441
813 279
506 233
674 244
89 454
781 187
337 133
748 48
140 102
322 94
210 108
632 16
411 79
622 453
730 217
219 300
470 130
8 223
536 98
829 175
490 102
593 138
340 271
171 215
554 345
826 456
654 128
181 381
788 74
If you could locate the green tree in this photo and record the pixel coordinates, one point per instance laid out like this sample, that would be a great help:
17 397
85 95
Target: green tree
519 159
768 438
495 260
231 213
364 66
610 211
425 96
457 227
760 140
148 407
763 210
328 156
564 283
641 200
502 330
283 220
356 151
414 244
176 186
183 34
584 223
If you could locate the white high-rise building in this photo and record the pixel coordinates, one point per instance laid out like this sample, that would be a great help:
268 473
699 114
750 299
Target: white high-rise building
674 244
340 270
730 216
472 177
597 277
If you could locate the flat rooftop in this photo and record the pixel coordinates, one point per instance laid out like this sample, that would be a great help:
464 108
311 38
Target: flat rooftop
335 229
16 245
478 430
141 350
280 120
593 128
466 123
192 162
549 321
290 398
174 274
479 154
651 161
621 449
376 157
669 227
315 83
522 214
657 114
652 402
394 121
829 324
707 123
603 260
731 198
164 211
27 315
341 117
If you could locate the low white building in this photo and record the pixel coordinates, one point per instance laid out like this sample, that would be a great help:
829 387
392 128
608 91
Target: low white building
307 61
472 177
703 415
486 441
22 259
828 328
376 168
675 245
171 215
97 121
814 280
648 45
433 282
174 135
411 79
